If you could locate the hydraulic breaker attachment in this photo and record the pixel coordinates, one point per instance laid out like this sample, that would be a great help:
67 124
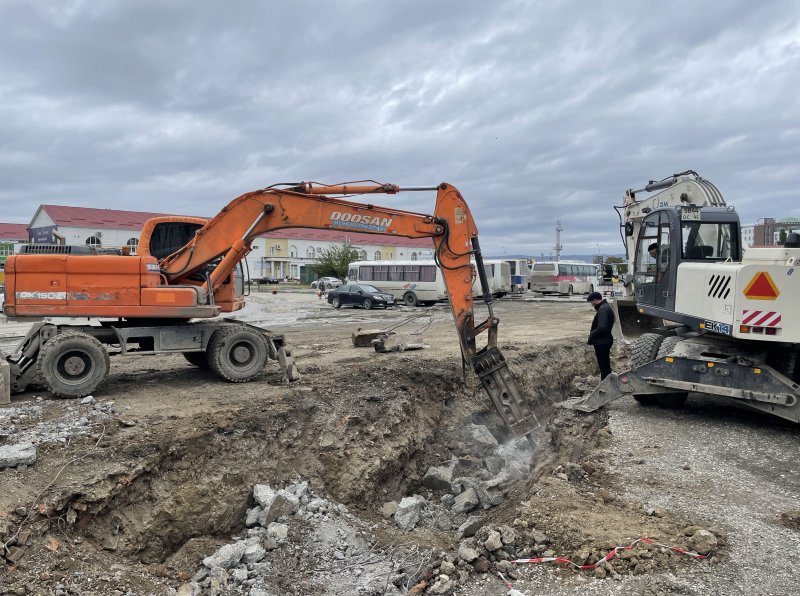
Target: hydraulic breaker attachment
492 369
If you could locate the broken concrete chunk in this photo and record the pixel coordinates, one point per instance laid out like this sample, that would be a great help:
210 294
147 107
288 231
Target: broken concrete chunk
227 557
466 501
703 542
481 435
253 516
15 455
285 504
317 504
487 496
278 532
389 509
439 477
508 535
282 503
253 554
493 542
264 495
362 338
469 527
409 512
299 489
466 552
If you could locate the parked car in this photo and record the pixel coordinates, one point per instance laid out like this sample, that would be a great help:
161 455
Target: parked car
362 295
267 280
326 283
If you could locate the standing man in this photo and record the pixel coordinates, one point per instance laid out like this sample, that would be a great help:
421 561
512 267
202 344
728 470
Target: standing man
600 336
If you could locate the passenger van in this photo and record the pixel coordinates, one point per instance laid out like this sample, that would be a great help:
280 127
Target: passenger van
564 277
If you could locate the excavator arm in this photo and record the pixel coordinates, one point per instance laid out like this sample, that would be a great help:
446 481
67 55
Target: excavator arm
228 237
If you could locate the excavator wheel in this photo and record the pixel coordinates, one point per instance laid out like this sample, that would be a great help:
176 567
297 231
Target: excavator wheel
198 359
237 354
645 350
670 400
73 364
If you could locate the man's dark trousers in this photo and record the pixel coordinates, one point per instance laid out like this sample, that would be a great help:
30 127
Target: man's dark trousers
603 353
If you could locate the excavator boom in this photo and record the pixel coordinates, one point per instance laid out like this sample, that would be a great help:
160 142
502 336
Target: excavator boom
307 205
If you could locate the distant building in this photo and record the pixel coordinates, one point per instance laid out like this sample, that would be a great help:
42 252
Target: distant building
11 236
282 253
769 231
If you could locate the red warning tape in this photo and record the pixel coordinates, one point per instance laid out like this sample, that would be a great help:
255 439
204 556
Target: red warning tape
610 555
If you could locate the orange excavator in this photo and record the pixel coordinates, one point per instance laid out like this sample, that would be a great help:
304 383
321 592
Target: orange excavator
168 298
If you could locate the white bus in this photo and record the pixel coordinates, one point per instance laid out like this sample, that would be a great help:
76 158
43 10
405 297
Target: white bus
520 270
421 282
412 282
498 274
564 277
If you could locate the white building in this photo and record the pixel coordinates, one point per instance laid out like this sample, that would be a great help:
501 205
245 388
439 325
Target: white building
747 236
282 253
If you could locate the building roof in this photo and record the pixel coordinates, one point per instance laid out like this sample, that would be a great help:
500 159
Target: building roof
88 217
355 238
12 231
790 220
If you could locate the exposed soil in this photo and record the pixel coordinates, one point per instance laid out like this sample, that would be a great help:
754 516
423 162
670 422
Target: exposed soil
131 492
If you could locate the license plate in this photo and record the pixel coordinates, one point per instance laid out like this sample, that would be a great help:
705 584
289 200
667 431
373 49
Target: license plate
690 214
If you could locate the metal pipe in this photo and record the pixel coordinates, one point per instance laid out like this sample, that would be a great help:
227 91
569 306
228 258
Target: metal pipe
487 294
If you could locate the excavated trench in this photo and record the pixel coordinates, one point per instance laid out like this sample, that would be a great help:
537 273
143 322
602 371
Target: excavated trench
168 491
362 445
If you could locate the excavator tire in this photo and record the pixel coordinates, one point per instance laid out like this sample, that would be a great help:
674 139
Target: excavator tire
670 400
73 364
645 349
237 354
198 359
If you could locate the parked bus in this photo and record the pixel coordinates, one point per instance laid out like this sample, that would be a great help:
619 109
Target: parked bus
520 270
564 277
421 282
412 282
498 274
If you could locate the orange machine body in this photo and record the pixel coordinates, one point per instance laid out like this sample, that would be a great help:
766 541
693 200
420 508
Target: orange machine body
113 286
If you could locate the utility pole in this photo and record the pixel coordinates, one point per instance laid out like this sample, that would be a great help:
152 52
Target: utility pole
558 247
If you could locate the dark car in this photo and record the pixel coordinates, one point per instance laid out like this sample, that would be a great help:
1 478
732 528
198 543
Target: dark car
362 295
267 280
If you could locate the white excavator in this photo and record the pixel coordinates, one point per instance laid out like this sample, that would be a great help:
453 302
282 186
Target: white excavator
712 319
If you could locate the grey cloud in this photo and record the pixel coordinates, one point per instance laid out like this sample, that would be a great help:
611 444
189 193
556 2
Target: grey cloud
537 111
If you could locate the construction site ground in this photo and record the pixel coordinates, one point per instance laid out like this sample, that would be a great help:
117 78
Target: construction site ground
132 489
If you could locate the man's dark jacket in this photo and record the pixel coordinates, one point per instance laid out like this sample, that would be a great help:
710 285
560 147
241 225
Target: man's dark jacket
600 334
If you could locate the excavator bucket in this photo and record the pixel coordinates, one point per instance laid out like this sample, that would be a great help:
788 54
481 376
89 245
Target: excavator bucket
629 323
521 418
608 390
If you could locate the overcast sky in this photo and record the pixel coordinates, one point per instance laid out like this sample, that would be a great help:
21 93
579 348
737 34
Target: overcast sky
536 111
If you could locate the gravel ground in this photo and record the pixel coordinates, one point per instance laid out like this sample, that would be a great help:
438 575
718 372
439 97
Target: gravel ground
727 467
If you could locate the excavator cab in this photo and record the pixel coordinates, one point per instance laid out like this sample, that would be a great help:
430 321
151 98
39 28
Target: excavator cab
673 235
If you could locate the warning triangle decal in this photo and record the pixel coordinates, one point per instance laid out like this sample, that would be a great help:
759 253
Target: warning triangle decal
761 287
